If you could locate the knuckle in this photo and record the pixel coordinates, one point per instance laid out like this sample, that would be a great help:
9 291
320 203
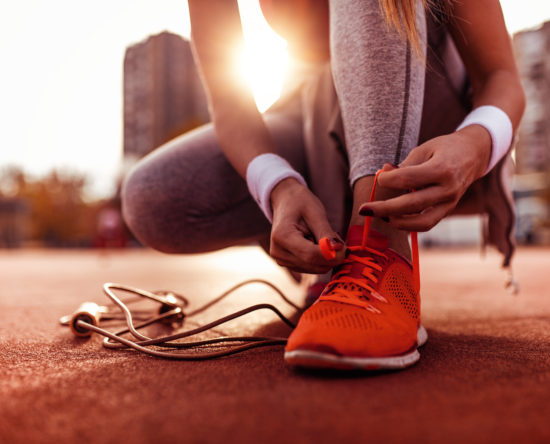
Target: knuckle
402 180
427 226
422 227
456 191
274 253
446 173
276 239
456 178
417 203
449 193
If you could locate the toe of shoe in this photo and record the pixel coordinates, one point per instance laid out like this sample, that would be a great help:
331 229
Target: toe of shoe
350 331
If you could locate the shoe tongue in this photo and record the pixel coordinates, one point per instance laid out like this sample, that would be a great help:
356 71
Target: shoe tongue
375 240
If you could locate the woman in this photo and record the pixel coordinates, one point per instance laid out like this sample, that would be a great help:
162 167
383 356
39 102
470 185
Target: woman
397 85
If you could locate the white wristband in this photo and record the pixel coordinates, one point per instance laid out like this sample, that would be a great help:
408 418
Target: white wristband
500 128
263 173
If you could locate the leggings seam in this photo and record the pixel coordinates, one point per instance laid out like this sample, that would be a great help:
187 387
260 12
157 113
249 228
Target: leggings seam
405 105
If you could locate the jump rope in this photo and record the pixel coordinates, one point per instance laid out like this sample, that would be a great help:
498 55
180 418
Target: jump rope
85 321
172 311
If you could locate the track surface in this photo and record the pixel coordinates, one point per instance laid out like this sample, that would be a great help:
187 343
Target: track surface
484 375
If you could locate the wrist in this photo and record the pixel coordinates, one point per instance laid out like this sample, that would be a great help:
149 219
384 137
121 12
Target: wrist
480 139
263 174
282 190
498 125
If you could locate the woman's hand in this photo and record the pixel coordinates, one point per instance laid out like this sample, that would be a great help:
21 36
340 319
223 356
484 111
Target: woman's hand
299 221
439 171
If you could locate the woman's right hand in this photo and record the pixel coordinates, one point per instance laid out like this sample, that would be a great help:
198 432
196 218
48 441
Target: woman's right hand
299 221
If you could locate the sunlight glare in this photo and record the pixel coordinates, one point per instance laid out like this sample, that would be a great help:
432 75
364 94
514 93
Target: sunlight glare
263 61
263 71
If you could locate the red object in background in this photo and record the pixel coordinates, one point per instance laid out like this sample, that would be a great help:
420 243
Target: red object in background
110 229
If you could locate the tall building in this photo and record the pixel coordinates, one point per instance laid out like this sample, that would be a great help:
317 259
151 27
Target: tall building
163 95
532 180
532 50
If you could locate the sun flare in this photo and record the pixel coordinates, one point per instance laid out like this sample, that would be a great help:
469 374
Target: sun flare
263 60
263 72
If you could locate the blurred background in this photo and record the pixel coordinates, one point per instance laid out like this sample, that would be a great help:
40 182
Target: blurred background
88 88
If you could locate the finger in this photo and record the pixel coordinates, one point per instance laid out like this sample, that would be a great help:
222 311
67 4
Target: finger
298 251
408 203
317 221
334 244
389 167
424 221
417 156
306 232
288 259
410 177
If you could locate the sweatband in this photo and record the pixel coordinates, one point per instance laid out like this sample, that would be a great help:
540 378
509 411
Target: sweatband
500 128
263 173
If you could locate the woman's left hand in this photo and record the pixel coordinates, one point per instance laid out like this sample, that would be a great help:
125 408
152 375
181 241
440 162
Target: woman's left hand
440 171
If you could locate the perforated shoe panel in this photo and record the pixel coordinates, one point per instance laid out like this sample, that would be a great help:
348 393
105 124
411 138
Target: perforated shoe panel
398 283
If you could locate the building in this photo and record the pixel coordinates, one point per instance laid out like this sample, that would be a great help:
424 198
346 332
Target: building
163 95
532 50
532 181
14 221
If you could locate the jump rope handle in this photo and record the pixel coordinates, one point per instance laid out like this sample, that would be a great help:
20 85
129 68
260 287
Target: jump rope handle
89 312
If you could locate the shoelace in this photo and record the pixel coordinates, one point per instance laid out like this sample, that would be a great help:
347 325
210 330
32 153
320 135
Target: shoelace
342 278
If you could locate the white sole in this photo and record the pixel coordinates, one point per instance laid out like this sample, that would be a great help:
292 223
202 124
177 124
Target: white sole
421 336
314 359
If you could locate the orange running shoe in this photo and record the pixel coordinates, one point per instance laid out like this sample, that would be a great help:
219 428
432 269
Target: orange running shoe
368 316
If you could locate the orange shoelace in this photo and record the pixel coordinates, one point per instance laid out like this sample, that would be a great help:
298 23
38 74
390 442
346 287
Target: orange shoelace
342 280
346 283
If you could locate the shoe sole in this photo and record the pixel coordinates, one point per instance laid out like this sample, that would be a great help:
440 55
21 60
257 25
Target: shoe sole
320 360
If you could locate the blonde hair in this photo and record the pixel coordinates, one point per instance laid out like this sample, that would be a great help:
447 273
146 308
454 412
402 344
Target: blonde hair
401 15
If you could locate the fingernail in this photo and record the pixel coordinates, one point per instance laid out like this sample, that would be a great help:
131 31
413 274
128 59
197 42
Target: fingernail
389 166
366 212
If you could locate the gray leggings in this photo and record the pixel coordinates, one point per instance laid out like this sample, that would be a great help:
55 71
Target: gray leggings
186 198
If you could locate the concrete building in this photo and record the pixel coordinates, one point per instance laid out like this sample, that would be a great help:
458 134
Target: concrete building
532 181
532 50
163 96
14 221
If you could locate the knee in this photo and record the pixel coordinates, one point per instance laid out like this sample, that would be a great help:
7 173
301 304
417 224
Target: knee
147 211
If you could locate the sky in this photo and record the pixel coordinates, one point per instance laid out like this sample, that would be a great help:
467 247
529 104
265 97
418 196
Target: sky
61 75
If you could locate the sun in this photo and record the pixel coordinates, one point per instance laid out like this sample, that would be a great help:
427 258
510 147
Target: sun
263 60
263 72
